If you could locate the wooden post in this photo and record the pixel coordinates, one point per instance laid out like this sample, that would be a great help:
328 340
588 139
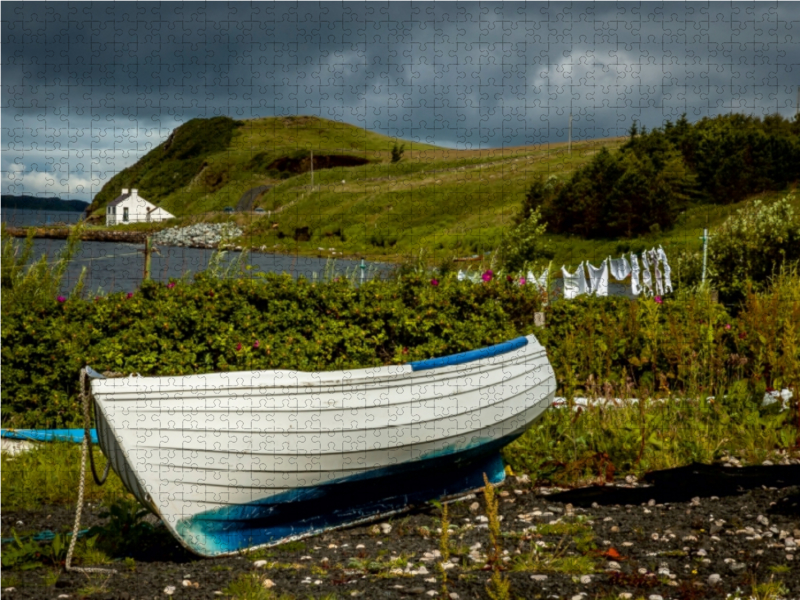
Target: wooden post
146 276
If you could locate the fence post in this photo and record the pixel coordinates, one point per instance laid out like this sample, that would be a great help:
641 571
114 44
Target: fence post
146 276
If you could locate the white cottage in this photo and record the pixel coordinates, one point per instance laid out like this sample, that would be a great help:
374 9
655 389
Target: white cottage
132 208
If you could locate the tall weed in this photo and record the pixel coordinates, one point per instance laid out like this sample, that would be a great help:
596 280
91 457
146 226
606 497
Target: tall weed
38 282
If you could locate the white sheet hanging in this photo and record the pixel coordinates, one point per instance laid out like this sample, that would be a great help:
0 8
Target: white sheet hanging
667 270
575 284
620 268
636 288
598 279
647 278
655 258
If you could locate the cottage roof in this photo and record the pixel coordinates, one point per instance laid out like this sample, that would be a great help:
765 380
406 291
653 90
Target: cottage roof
118 200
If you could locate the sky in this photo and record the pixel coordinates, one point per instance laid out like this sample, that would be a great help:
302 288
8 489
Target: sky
89 88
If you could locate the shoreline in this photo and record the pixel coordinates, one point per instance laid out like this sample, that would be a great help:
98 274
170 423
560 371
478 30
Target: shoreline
140 237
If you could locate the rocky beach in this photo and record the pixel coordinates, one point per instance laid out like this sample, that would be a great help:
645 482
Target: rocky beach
611 543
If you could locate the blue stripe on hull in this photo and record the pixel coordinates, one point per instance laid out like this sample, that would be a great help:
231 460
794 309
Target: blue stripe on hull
311 510
465 357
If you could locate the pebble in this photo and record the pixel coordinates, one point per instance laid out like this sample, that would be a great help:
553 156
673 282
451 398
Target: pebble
385 528
586 579
454 596
539 577
268 583
613 565
169 590
714 579
655 597
625 596
360 546
737 567
262 563
63 595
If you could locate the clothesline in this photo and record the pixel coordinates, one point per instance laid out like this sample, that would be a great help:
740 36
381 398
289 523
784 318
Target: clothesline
655 275
655 272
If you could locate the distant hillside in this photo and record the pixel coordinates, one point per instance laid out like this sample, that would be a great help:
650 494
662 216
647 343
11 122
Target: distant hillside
36 203
456 202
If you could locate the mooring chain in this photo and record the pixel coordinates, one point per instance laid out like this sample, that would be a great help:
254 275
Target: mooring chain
85 448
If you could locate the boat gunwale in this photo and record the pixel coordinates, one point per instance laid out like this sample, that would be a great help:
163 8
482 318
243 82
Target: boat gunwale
143 386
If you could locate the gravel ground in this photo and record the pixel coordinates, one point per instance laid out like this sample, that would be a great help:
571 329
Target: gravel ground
664 539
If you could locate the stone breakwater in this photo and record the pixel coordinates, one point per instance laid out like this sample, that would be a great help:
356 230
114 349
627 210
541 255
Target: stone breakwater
197 236
89 235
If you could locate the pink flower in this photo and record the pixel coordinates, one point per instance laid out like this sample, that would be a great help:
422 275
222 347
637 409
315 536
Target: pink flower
170 285
130 295
434 282
256 344
487 276
509 278
238 346
728 326
522 280
61 299
659 300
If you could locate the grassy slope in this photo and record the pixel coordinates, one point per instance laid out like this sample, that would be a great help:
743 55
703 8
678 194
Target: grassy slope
447 202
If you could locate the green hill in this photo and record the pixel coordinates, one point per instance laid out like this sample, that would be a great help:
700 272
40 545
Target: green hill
448 201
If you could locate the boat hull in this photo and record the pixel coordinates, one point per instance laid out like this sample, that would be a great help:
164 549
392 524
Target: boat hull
232 461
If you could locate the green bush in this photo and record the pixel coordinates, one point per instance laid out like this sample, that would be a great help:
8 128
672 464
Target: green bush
751 246
525 243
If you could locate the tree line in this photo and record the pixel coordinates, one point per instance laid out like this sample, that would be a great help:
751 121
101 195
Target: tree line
645 185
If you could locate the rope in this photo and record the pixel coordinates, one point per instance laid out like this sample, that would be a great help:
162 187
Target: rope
85 448
87 435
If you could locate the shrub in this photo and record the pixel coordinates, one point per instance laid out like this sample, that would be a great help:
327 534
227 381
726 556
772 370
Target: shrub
525 243
751 246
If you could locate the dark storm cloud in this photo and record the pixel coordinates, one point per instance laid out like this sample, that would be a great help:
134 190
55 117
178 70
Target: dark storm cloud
89 88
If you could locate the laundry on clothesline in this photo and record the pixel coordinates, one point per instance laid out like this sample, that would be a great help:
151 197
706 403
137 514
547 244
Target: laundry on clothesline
652 277
598 279
575 284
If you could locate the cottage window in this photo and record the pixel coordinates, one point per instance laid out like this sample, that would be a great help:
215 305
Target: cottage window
125 214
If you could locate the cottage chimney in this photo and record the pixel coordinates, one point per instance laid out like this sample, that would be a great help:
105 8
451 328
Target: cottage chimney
124 191
134 192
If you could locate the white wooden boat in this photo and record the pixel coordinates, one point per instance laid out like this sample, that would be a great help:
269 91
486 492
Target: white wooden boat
231 461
